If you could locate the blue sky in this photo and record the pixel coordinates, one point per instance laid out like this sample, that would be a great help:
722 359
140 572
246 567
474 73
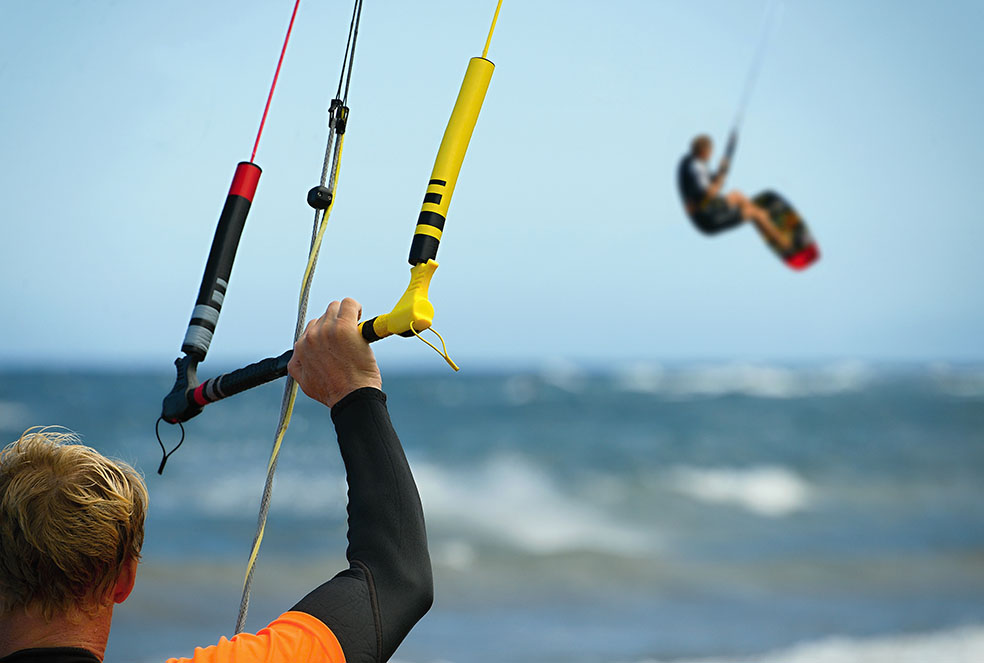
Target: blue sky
121 124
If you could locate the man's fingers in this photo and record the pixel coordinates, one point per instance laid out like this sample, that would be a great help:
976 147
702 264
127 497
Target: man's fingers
347 310
332 311
294 367
350 310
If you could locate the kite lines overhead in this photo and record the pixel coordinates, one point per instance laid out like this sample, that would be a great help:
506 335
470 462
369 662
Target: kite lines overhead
770 22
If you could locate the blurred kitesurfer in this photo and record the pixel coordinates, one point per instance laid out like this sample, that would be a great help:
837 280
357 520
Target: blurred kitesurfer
711 210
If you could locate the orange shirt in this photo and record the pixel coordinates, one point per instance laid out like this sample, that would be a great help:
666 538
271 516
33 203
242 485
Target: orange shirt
293 636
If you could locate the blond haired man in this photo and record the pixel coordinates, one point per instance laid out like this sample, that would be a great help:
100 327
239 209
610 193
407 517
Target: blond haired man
71 528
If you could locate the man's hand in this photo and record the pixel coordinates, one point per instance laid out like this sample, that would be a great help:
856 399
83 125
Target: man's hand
331 359
723 167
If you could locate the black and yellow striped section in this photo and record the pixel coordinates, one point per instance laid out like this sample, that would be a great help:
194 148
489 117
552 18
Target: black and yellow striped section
447 165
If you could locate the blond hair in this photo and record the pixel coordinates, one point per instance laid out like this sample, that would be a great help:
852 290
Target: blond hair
70 519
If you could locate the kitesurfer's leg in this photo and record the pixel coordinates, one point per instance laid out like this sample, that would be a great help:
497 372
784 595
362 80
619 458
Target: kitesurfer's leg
760 217
388 587
736 199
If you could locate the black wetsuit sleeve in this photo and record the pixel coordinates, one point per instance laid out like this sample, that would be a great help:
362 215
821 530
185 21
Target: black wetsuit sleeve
388 587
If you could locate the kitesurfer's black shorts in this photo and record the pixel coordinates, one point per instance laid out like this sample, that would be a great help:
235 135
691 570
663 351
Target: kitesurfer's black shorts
716 215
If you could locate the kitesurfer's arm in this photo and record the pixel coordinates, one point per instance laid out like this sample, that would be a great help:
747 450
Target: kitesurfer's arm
717 180
388 587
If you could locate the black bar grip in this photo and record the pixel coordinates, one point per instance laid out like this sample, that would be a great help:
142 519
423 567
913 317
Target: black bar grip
230 384
187 398
218 269
368 330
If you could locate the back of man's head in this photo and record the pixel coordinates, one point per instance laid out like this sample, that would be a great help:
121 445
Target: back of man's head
70 520
700 145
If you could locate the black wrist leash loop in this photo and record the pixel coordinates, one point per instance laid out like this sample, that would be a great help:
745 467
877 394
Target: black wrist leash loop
164 451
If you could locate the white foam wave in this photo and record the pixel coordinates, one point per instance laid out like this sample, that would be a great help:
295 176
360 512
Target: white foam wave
765 490
759 380
557 373
960 382
520 390
514 503
237 496
958 645
563 374
642 377
455 554
505 500
14 416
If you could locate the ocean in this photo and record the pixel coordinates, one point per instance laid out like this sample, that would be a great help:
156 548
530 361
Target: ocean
690 512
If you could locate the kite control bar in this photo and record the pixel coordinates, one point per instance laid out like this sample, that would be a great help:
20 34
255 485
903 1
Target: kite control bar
413 312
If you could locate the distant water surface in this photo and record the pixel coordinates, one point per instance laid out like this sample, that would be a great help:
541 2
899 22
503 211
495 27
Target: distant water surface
723 512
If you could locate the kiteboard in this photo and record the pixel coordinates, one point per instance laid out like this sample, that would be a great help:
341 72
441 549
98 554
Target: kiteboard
804 250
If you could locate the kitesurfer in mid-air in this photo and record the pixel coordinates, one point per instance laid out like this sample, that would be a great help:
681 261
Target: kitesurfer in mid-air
72 525
711 210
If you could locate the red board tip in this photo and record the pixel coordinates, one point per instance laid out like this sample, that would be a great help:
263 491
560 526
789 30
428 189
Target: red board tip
805 258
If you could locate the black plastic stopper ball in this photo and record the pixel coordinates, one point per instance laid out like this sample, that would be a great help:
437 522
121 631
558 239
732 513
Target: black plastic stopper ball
319 197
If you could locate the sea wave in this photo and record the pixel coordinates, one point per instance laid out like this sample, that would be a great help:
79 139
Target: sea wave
13 416
511 502
503 501
765 490
563 374
957 645
748 379
958 381
236 496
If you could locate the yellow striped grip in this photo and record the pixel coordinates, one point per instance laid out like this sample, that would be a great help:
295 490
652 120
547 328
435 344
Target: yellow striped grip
430 231
451 154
